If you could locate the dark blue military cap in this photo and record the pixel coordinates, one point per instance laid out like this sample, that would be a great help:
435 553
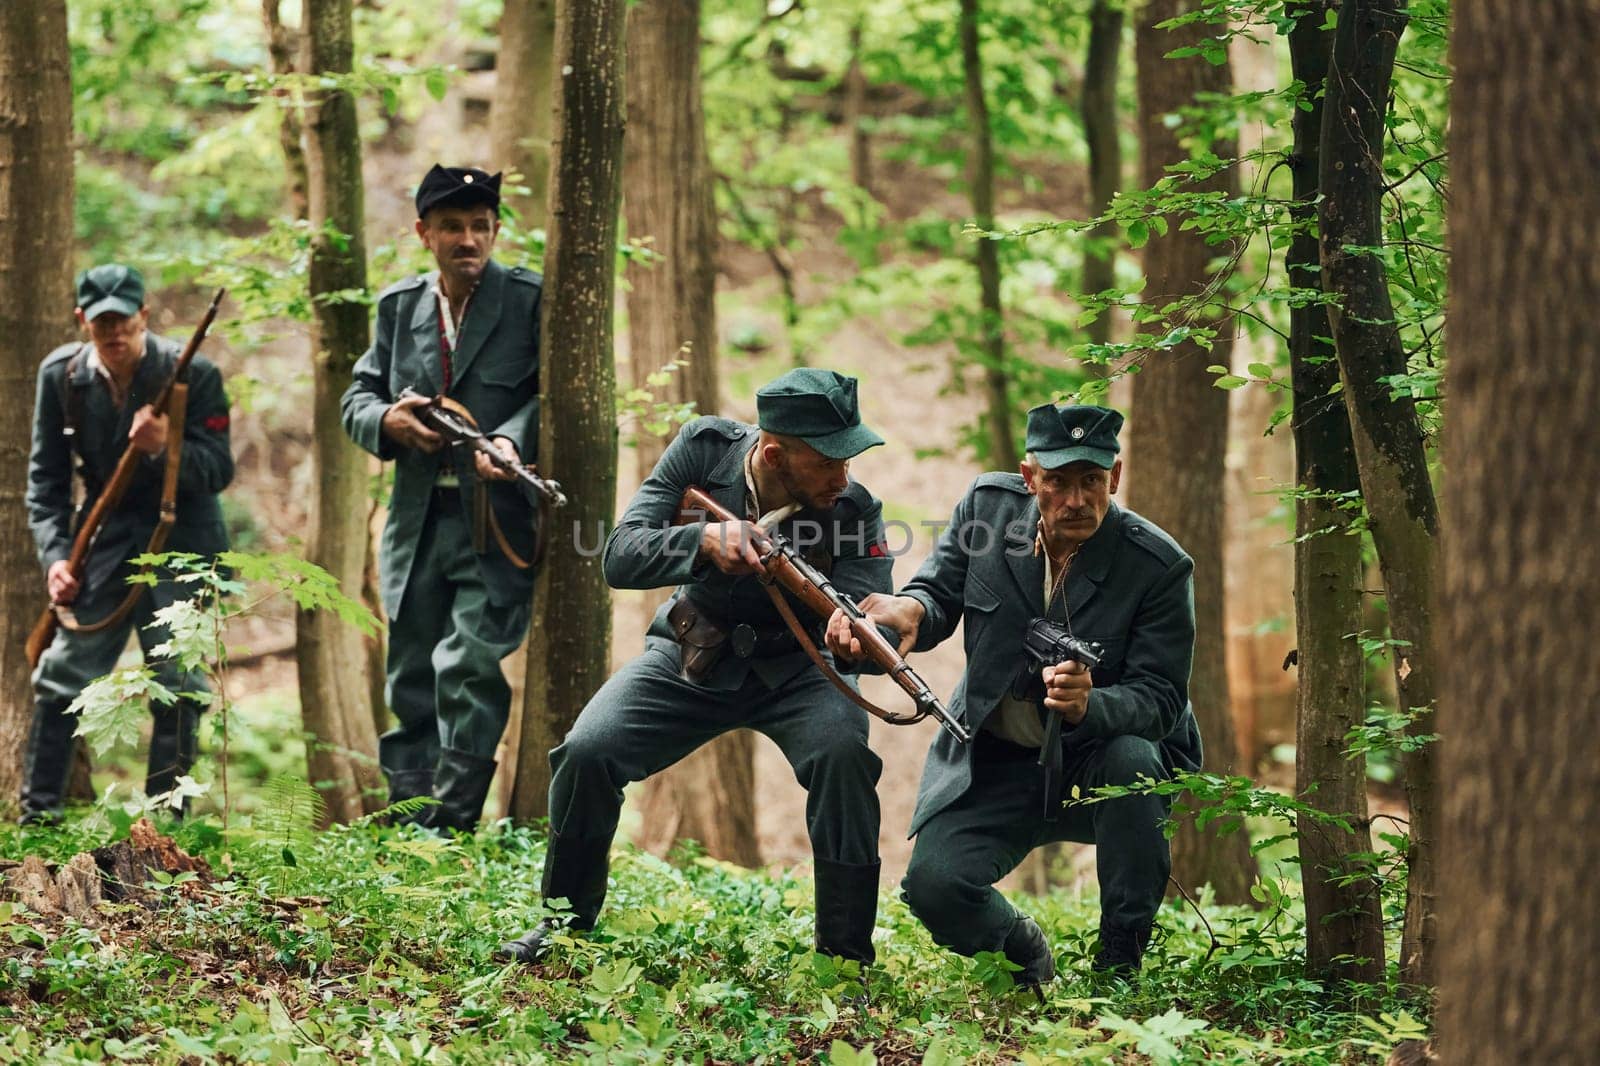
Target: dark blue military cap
819 407
1074 433
457 187
110 287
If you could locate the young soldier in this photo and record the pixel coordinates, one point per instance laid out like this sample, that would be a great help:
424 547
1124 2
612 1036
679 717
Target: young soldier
458 602
1048 543
719 657
93 404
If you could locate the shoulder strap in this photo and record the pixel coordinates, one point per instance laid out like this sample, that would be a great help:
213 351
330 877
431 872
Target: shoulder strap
71 398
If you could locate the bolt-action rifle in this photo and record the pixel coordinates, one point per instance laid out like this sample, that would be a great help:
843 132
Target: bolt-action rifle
783 566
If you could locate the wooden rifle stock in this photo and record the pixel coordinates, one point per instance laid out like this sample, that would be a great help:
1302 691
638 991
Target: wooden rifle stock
785 568
44 630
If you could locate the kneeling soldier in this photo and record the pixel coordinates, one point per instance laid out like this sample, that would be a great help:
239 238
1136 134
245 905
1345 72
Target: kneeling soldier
718 656
1049 543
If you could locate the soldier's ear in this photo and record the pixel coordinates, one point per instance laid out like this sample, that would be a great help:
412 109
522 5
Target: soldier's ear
1116 474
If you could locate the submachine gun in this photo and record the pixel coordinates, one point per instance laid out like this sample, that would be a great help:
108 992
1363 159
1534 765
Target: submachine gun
457 426
1046 643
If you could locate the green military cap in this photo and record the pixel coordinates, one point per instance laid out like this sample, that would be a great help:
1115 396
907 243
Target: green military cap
819 407
110 287
1074 433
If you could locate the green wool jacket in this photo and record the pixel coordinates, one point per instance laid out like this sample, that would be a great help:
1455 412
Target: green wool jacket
647 551
100 438
1130 588
494 374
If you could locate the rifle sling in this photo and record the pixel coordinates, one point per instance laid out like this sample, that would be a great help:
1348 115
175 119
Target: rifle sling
505 545
828 671
176 408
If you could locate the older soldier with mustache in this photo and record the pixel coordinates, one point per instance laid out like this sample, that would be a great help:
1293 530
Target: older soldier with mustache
1048 542
458 600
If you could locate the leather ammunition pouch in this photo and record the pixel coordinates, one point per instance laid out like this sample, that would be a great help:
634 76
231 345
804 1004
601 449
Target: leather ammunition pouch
701 641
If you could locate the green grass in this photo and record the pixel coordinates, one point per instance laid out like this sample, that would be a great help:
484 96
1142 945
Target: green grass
374 944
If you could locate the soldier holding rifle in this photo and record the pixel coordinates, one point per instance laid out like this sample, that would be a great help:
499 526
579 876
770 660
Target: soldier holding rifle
719 655
1049 546
460 544
144 465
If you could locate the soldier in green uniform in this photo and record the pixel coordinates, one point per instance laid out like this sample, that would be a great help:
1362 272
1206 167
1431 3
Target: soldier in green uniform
93 403
718 656
458 601
1049 543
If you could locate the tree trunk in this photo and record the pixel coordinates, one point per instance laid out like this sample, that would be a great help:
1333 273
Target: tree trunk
1098 108
36 182
855 108
1180 426
520 117
980 180
281 49
1344 921
568 651
1519 951
1388 439
342 754
709 797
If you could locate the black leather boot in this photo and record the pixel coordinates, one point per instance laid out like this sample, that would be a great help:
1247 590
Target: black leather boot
47 763
1026 946
847 909
574 870
172 748
1121 949
460 784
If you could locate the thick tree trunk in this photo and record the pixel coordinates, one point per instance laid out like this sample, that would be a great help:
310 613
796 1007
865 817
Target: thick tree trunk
522 112
568 651
1344 921
336 708
1180 427
666 175
1098 108
980 180
1519 947
35 316
1388 439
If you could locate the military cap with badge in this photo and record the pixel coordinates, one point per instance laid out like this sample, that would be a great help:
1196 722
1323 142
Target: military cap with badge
457 187
1074 433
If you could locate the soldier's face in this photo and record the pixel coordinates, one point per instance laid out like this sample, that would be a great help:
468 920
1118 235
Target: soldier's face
118 339
810 478
461 239
1073 499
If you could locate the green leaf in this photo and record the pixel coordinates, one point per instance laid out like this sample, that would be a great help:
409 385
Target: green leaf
842 1054
1138 233
437 83
1231 381
1260 370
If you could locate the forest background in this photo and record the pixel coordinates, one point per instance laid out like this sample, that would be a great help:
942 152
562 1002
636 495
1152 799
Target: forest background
974 208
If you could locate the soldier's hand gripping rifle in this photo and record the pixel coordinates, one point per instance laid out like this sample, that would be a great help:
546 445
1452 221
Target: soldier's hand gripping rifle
457 426
782 566
1048 643
44 630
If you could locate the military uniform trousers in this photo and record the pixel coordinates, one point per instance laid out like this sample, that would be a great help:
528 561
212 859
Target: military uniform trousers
72 661
965 848
445 684
647 717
